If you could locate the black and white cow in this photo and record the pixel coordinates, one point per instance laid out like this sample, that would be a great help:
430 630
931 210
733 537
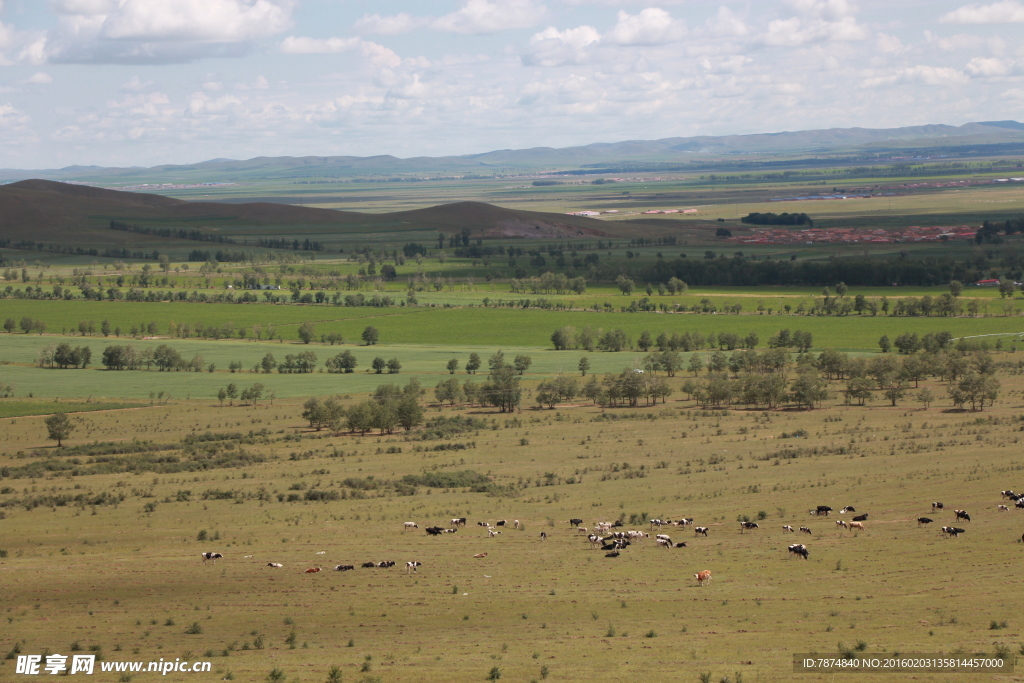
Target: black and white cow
703 530
962 514
748 526
434 530
344 567
411 567
799 549
937 506
213 557
924 520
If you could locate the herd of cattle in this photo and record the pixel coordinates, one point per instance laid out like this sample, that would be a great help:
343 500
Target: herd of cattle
608 537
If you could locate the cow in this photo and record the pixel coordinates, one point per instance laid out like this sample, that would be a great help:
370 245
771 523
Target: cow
369 565
434 530
454 521
1008 494
656 523
799 549
703 578
480 555
788 528
385 564
663 537
1019 504
410 567
805 530
937 506
848 508
952 531
491 533
582 530
276 565
410 525
924 520
664 543
543 536
857 525
483 524
501 523
703 530
685 521
344 567
213 557
861 518
450 531
515 523
313 570
1003 508
747 526
841 523
822 510
681 544
962 514
575 521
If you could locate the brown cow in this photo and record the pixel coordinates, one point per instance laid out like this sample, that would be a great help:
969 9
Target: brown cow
703 577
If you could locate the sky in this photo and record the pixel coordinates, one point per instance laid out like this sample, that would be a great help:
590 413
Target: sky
147 82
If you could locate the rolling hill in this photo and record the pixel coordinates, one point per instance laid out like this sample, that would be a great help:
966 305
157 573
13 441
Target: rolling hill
64 213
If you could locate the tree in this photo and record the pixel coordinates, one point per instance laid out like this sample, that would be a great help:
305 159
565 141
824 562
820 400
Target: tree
841 289
502 388
322 414
231 391
925 397
522 363
563 338
474 364
268 363
644 342
343 362
26 324
105 328
307 332
895 389
394 366
1006 288
956 288
378 365
696 364
410 412
808 389
370 335
453 365
625 285
584 365
9 325
448 391
884 343
221 395
59 427
334 338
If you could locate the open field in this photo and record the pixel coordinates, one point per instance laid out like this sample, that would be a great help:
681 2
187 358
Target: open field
126 578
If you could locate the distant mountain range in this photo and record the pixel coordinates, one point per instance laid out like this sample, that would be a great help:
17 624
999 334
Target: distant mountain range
984 137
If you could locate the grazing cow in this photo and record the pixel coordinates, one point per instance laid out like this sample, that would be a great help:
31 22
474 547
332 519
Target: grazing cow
322 552
861 518
411 567
952 531
962 514
491 533
385 564
480 555
663 537
857 525
703 578
1019 504
277 565
703 530
685 521
410 525
450 531
799 549
501 523
822 510
369 565
924 520
656 523
805 530
747 526
515 523
434 530
313 570
937 506
344 568
454 521
1008 494
664 543
543 536
483 524
213 557
841 523
788 528
582 530
575 521
848 508
1003 508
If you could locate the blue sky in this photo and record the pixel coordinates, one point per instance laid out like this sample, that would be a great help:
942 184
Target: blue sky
145 82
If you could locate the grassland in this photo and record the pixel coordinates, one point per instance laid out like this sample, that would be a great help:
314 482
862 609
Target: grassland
126 578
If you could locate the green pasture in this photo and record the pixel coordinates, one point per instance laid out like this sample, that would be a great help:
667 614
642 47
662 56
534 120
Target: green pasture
20 408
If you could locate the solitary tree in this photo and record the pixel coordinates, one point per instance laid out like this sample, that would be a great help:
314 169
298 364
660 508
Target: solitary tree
378 365
474 364
307 331
522 363
584 365
59 427
371 335
453 365
231 391
956 287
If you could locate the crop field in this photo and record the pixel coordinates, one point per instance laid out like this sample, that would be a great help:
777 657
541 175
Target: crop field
109 548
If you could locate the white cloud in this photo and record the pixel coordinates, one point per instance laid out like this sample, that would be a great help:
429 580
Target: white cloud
829 10
490 16
293 45
918 75
725 22
83 7
389 25
652 26
39 78
197 20
135 85
552 47
889 44
990 66
1004 12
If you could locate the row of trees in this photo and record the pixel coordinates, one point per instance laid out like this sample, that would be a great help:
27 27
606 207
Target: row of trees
389 408
64 356
251 394
569 338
